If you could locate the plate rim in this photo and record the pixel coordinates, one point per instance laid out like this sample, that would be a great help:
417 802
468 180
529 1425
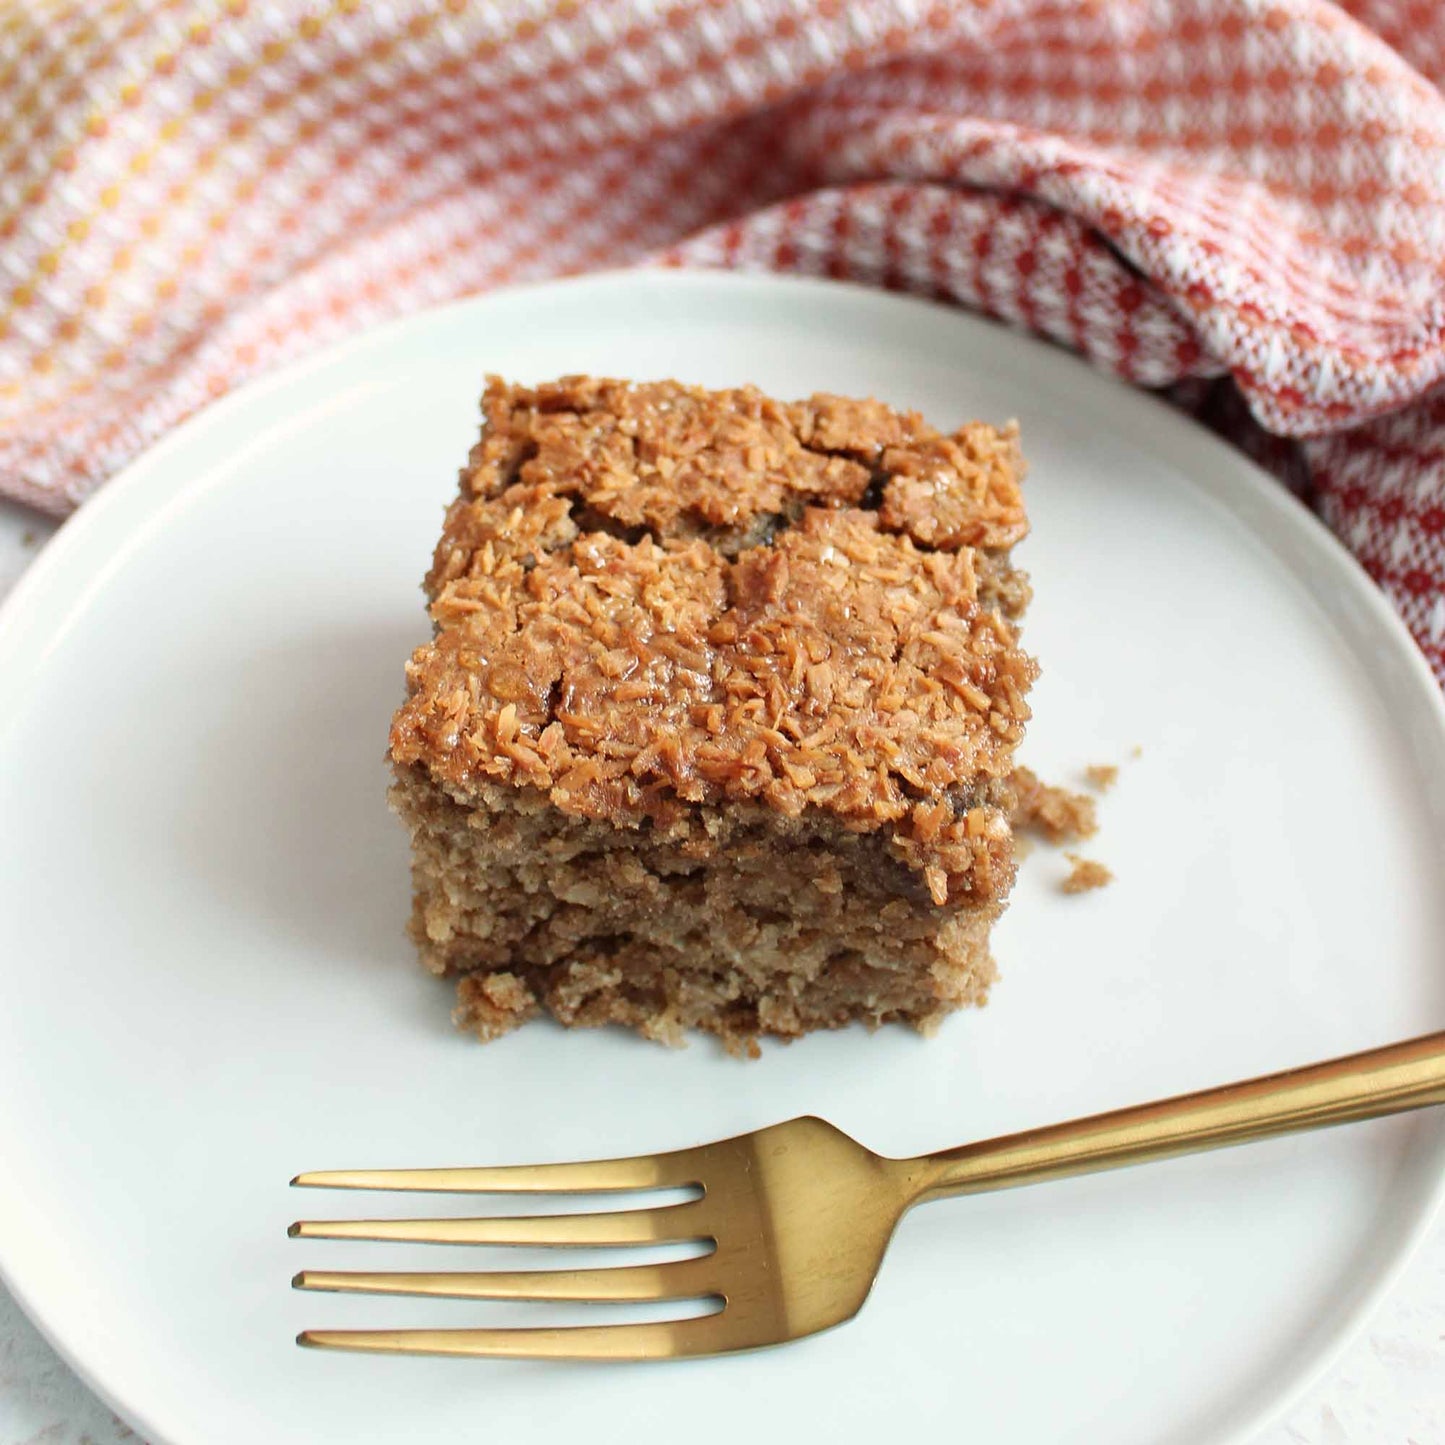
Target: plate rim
1265 491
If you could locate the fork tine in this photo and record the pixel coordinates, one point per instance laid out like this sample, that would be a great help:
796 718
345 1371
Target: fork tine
673 1222
681 1279
662 1340
599 1176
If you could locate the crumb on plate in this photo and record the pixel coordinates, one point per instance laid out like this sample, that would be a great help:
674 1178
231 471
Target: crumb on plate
1059 814
1086 874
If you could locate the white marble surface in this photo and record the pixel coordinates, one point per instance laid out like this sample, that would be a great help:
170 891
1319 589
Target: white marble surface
1387 1389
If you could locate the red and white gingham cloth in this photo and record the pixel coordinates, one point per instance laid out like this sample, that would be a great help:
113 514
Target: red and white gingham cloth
1240 199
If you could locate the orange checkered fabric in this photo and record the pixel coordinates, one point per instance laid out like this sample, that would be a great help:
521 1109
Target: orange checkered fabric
1241 200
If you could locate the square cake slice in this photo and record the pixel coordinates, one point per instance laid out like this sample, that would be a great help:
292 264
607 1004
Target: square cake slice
716 727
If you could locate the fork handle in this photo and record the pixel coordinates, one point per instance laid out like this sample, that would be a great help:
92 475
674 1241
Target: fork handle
1391 1080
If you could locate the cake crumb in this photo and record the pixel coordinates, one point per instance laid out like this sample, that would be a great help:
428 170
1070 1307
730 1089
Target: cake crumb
1087 873
1102 776
1136 751
29 537
1058 813
493 1004
741 1046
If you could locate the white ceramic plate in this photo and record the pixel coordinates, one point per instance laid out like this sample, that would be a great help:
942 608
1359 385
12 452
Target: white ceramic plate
206 987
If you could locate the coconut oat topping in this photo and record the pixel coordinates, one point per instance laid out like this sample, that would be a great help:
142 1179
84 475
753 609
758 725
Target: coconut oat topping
650 596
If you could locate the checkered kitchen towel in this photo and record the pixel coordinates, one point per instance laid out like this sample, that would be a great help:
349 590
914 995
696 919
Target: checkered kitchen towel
1243 200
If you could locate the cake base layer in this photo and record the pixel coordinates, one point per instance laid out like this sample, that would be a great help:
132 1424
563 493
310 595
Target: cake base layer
738 921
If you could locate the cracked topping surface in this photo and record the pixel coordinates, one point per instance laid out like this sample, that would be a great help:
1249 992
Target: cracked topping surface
648 596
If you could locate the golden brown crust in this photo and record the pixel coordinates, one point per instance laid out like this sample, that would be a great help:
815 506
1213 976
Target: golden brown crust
651 597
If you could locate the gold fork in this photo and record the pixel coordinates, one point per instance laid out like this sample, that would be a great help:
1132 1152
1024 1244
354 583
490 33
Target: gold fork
798 1215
